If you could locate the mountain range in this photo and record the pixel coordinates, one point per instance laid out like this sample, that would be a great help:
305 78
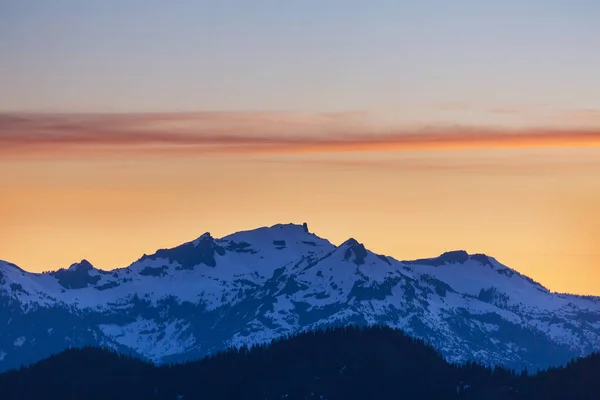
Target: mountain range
184 303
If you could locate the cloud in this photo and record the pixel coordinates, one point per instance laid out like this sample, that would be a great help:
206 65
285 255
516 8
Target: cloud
255 133
533 114
454 106
499 165
583 116
507 111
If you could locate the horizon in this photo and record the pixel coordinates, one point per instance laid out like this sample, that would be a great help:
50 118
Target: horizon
417 127
296 225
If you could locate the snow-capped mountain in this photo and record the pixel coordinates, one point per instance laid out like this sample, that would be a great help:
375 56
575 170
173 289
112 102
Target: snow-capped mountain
208 294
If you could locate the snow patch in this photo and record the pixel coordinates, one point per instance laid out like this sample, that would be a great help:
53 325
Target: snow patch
152 339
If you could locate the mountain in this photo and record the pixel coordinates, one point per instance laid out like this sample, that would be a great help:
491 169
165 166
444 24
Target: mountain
342 363
209 294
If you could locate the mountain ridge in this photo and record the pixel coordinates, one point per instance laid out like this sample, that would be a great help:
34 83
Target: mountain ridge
207 236
252 286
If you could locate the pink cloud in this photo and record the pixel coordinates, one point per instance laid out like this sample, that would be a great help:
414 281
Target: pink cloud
254 133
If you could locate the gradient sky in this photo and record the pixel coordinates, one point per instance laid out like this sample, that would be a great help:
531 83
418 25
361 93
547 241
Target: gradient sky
416 127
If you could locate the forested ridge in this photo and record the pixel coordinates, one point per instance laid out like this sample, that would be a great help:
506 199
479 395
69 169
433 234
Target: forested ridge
339 363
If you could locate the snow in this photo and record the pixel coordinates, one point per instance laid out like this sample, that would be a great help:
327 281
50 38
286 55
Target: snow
2 355
325 278
472 277
154 340
202 284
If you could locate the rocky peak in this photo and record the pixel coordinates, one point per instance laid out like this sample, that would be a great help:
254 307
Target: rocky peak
354 251
454 257
77 276
205 236
83 265
189 255
291 227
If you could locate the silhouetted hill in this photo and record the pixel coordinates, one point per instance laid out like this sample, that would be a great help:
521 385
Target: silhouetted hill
342 363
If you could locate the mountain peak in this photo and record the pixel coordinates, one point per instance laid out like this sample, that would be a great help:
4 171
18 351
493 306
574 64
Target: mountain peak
83 265
289 231
354 251
350 242
77 276
191 254
205 237
453 257
292 227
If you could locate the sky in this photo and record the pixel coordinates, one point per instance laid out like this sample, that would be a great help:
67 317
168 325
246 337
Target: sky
416 127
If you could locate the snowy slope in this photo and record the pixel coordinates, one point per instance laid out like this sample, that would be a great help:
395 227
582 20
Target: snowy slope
207 294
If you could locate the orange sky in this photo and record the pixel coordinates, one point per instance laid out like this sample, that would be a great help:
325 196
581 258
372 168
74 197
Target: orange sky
527 199
415 129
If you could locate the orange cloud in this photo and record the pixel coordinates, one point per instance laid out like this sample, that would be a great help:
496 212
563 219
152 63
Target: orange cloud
254 133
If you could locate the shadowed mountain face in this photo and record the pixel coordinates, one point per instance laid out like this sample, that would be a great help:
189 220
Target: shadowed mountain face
249 287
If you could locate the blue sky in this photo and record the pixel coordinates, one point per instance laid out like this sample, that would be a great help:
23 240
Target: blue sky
309 55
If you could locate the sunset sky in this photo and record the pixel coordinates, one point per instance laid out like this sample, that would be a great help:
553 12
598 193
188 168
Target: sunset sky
416 127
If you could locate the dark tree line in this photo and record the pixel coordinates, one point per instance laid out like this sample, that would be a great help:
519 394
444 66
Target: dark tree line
339 363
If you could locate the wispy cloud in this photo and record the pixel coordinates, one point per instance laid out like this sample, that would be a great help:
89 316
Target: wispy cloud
454 106
535 114
502 165
507 111
583 116
255 133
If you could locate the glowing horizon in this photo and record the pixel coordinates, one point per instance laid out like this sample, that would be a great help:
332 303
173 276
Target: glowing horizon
531 207
416 127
